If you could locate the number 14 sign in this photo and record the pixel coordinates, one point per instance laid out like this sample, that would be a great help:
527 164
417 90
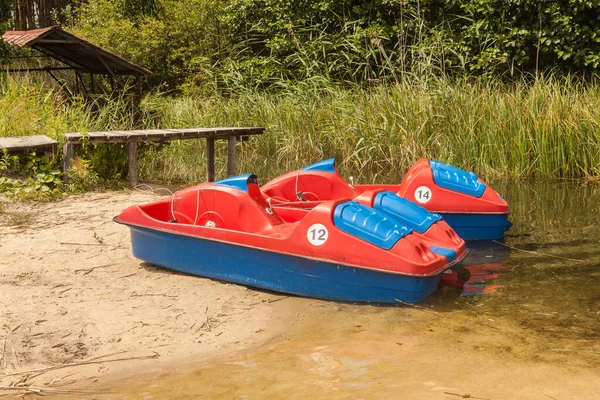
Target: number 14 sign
423 194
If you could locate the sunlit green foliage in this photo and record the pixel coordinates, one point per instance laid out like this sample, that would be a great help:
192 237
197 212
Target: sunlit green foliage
176 39
232 45
43 177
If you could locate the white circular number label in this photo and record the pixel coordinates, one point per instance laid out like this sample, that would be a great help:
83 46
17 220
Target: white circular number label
317 234
423 194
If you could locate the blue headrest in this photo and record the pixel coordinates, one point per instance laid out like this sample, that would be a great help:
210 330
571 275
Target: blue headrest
239 182
323 166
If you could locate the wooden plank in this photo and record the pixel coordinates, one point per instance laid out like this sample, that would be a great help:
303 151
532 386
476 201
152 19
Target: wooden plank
217 134
151 132
20 143
57 41
67 160
111 136
116 136
132 163
107 134
100 140
120 133
221 132
231 155
162 134
40 69
73 137
99 137
210 159
215 131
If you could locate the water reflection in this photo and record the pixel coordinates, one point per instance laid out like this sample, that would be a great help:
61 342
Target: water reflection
487 259
480 277
550 275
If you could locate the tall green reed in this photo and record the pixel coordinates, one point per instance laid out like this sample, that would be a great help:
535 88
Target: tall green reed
549 128
545 128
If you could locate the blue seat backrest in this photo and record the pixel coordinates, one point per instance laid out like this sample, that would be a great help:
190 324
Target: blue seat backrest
406 212
368 224
452 178
322 166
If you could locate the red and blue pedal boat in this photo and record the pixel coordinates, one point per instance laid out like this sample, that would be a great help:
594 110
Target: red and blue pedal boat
473 209
340 249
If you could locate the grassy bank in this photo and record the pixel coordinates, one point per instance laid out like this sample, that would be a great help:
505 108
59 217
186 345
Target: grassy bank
547 129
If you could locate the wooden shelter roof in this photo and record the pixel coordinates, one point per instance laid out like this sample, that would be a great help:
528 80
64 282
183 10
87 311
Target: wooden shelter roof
74 51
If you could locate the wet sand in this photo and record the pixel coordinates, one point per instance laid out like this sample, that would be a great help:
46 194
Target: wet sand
344 351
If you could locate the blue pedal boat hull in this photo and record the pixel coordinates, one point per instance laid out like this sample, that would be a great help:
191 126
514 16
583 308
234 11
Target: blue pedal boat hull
476 226
275 271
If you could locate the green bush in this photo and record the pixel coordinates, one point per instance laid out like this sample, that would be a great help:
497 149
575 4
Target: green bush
231 45
530 35
43 181
175 39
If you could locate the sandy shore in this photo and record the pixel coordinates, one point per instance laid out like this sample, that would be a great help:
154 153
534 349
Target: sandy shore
77 310
71 293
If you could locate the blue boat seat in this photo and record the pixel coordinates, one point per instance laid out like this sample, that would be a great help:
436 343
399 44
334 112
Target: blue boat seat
368 224
408 213
455 179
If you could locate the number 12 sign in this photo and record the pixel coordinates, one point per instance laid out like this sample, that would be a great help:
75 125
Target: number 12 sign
317 234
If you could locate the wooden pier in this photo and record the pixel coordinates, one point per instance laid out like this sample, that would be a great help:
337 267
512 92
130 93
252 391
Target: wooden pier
22 143
133 137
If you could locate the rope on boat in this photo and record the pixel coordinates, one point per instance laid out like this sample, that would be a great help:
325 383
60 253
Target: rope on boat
197 204
172 206
297 179
198 195
173 194
537 252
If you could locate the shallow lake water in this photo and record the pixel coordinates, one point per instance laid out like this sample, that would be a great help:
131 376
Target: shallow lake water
525 325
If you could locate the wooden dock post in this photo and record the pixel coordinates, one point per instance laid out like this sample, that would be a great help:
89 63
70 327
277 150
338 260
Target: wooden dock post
67 160
132 163
231 141
210 159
